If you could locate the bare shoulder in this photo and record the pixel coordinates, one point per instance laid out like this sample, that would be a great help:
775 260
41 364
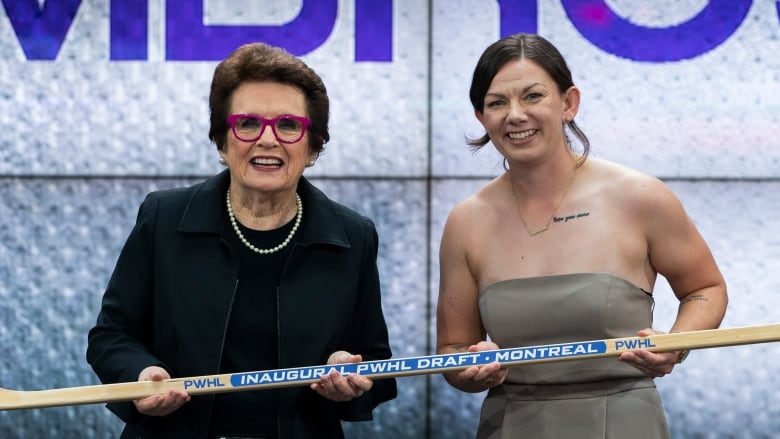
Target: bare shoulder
631 188
617 173
470 219
476 207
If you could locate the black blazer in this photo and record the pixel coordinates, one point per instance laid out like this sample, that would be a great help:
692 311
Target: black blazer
170 296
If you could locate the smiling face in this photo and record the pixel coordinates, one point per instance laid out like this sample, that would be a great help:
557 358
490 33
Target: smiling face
524 113
266 165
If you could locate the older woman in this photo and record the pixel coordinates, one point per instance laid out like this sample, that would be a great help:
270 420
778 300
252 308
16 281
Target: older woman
252 269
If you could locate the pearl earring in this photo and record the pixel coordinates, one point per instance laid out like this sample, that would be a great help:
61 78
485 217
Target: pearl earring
222 161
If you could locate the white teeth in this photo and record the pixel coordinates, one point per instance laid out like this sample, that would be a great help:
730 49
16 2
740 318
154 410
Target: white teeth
267 162
521 135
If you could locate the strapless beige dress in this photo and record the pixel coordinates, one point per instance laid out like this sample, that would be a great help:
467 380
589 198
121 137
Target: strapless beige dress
584 399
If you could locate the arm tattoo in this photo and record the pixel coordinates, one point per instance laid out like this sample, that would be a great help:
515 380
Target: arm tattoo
694 298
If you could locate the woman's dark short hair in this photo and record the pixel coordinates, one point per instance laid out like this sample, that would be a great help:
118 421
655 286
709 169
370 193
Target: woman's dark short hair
515 47
261 62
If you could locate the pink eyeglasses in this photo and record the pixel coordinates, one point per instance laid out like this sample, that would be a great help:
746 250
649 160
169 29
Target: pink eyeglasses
286 128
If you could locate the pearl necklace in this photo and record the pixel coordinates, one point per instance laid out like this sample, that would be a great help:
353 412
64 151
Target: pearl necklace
263 251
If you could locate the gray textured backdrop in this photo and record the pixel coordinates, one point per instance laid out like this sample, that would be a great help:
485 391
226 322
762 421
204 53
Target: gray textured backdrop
82 140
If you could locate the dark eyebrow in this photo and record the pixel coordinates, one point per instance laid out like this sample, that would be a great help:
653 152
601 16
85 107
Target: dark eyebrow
526 89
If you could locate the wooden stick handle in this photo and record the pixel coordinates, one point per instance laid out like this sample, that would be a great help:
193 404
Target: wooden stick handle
394 367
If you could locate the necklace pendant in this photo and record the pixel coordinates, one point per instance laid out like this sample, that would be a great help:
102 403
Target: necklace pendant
537 231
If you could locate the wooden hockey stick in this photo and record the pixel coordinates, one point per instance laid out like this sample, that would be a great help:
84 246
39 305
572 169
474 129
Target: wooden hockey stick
394 367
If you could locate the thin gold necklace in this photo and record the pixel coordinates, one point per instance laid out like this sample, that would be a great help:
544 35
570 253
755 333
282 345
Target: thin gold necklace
555 210
264 251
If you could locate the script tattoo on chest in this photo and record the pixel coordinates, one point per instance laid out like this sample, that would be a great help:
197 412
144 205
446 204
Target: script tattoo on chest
568 218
